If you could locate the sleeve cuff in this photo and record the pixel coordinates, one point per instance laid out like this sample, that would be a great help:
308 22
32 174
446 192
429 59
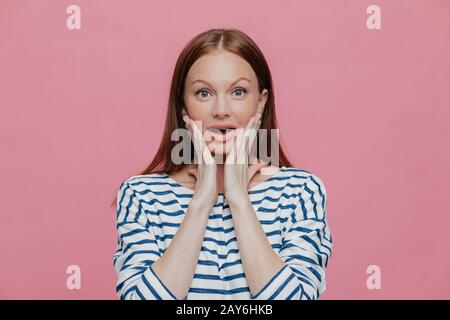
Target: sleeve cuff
275 285
151 287
282 286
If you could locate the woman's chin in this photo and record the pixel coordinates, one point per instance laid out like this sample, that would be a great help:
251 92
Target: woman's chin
219 149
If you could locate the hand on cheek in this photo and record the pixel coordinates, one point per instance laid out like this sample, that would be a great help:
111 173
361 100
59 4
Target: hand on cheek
238 169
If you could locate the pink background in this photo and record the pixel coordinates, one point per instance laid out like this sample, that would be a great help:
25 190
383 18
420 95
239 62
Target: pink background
367 110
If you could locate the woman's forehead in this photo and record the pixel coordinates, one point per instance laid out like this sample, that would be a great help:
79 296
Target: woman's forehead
220 69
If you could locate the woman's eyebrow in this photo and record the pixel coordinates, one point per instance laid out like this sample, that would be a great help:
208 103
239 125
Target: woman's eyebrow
241 78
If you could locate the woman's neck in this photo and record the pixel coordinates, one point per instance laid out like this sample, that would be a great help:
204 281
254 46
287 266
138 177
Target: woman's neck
220 178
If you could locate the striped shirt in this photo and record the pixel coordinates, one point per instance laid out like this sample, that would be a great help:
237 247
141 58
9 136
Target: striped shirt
290 206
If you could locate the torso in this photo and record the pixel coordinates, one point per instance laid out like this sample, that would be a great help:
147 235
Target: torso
291 196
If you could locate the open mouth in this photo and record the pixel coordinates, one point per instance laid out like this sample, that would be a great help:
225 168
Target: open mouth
222 134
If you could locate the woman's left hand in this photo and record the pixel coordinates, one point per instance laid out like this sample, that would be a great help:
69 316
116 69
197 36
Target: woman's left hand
241 165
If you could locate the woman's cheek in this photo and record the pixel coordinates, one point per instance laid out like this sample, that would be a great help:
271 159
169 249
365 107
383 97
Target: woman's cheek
244 113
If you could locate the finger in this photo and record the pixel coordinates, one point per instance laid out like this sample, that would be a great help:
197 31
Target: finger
231 155
258 120
250 122
206 154
242 150
195 140
188 127
253 153
250 126
237 145
253 133
204 151
246 141
196 137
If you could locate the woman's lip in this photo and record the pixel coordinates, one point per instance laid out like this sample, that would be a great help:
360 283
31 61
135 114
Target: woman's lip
223 126
219 136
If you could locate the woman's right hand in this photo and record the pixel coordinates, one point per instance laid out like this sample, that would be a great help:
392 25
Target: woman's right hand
206 187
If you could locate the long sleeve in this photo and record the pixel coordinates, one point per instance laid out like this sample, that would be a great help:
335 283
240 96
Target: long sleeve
306 248
136 251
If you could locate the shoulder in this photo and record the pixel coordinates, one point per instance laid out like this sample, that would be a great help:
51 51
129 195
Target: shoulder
304 183
303 178
145 179
143 184
308 192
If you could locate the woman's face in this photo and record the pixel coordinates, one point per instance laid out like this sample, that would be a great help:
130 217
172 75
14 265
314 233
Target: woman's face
221 89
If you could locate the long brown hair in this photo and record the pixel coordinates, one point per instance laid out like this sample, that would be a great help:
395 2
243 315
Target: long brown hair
236 42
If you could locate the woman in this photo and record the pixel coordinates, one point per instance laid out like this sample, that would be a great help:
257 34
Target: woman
217 228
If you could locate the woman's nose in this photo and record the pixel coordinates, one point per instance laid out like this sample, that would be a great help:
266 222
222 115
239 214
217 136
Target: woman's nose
221 107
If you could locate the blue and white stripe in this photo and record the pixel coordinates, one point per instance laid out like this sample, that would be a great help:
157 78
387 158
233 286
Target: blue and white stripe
291 207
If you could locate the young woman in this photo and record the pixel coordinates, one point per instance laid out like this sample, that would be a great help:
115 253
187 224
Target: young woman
218 228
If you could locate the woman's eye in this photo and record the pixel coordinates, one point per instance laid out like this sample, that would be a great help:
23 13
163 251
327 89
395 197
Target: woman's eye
242 90
204 94
202 91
